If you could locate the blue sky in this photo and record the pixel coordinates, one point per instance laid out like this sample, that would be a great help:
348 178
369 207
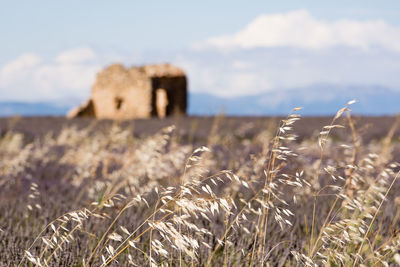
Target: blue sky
51 50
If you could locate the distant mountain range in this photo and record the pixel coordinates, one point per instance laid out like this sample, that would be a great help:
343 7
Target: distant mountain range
316 100
32 109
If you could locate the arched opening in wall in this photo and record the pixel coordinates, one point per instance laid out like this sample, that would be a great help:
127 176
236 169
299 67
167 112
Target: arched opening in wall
118 103
161 102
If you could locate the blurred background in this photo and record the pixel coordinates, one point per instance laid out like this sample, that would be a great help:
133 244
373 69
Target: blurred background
256 58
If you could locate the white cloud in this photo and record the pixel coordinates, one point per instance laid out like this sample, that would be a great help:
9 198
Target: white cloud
67 76
241 65
301 30
77 55
278 52
21 64
255 71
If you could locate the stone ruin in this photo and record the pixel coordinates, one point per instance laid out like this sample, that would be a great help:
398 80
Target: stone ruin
137 92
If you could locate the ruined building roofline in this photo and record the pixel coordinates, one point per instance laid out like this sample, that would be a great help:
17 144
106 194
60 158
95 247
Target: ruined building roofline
151 71
162 70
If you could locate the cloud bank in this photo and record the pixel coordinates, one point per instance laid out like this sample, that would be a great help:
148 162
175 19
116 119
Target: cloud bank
273 53
300 29
65 77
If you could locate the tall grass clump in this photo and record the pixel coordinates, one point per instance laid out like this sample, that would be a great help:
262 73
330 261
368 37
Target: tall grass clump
84 197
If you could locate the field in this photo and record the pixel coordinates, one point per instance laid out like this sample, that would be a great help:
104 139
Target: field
195 191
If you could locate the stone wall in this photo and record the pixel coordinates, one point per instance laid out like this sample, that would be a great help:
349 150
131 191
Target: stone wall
121 93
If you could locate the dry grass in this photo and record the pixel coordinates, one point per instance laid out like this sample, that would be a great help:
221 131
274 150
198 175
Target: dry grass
88 198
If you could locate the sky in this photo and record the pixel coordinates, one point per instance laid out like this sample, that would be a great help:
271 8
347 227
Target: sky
52 50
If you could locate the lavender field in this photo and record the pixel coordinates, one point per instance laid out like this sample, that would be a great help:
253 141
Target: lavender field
220 191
